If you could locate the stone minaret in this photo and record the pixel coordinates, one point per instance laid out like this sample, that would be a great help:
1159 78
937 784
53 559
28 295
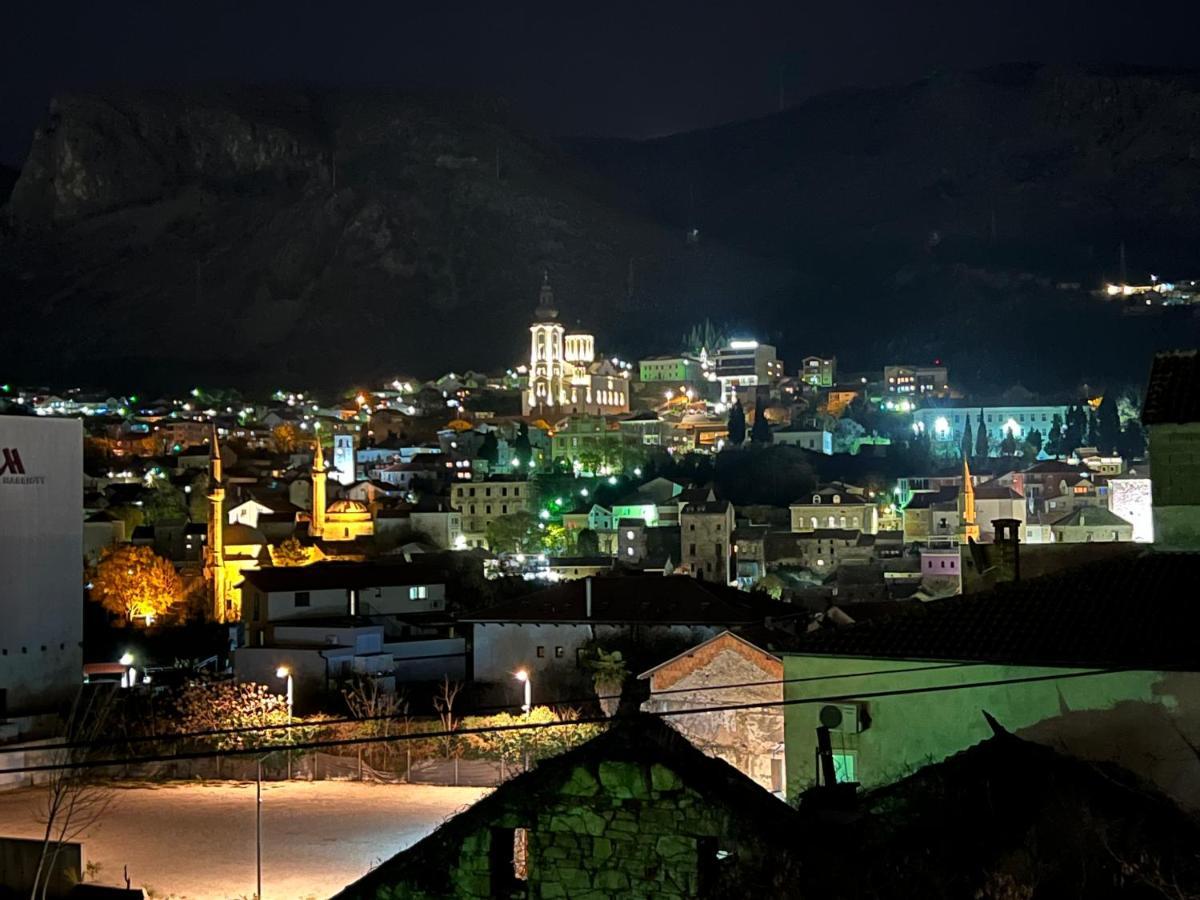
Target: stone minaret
968 526
214 563
316 524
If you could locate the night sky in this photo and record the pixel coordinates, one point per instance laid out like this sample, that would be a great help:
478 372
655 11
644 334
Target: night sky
633 69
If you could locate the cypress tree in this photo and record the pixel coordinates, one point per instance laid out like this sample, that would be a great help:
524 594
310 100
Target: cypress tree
737 424
967 439
981 438
760 432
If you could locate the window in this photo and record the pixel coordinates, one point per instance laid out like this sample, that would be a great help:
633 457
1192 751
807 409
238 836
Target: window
418 592
541 652
691 549
558 652
629 551
508 860
844 767
629 535
302 598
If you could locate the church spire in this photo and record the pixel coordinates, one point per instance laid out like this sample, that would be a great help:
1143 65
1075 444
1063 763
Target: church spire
546 308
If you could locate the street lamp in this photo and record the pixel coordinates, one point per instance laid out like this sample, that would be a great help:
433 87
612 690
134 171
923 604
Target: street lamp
130 678
523 676
285 672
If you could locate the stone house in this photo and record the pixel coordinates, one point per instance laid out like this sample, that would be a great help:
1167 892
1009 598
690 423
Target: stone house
1090 523
726 670
835 506
1171 415
706 540
635 812
1099 661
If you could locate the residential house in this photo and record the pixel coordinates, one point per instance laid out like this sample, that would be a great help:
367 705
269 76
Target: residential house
551 633
482 502
1098 661
816 441
648 548
727 670
835 506
706 540
1090 524
819 371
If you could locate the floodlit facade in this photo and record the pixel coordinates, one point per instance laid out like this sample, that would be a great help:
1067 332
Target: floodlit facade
746 363
944 424
564 375
41 558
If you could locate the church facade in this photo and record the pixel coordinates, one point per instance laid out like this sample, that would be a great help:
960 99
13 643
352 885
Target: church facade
564 375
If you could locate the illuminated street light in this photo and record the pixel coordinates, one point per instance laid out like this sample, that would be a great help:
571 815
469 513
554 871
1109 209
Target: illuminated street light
285 672
523 676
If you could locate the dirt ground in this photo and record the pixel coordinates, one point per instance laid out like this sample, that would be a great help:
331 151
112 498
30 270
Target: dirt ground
197 840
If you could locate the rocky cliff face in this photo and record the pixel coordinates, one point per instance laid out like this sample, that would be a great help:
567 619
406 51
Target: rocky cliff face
325 236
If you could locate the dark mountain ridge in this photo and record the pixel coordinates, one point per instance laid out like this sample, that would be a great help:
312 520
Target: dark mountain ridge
327 236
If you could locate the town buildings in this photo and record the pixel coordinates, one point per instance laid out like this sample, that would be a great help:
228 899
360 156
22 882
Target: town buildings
706 539
835 506
819 371
482 502
944 424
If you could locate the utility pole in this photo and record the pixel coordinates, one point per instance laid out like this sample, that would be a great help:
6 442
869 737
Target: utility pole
258 830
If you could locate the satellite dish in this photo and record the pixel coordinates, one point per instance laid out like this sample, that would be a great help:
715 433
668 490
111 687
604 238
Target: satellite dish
831 716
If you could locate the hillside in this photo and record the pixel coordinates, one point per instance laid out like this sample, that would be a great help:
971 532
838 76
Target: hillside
324 237
329 235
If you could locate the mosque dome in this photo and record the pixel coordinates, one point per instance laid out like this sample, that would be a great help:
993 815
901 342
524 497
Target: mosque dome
348 509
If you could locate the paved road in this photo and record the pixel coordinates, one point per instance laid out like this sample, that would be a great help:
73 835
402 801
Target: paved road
197 840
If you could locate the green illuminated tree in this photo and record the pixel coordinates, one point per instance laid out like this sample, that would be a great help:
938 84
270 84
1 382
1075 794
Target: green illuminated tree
514 533
981 438
737 424
1076 430
967 439
164 503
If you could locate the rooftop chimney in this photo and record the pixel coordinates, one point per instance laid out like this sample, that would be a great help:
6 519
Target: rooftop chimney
1008 546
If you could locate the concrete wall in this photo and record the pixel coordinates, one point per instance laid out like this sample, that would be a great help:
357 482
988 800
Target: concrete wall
1129 718
41 562
429 660
500 650
19 862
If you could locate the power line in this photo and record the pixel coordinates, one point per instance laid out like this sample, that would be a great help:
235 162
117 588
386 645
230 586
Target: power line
534 726
382 717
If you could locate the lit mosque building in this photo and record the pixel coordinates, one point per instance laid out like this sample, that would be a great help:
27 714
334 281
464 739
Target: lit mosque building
564 374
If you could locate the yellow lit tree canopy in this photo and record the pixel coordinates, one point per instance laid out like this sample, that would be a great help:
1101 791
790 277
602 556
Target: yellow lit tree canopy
135 583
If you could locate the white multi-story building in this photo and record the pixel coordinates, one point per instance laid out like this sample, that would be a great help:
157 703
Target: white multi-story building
746 363
945 424
482 502
564 374
41 559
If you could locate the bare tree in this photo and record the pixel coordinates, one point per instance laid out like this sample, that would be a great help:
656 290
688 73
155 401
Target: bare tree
384 713
443 702
76 794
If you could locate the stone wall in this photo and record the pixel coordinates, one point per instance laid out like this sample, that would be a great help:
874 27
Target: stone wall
612 828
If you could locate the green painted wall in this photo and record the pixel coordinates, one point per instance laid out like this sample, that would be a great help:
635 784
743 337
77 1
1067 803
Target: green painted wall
1129 718
1175 458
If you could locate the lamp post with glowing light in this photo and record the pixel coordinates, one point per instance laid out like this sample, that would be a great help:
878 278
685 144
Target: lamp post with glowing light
523 676
285 672
130 678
